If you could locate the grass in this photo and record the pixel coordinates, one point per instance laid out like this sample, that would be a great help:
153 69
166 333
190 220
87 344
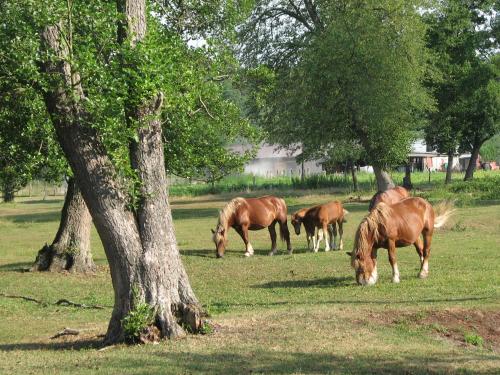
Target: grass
300 314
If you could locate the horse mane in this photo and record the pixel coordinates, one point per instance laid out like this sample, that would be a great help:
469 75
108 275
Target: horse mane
228 210
370 225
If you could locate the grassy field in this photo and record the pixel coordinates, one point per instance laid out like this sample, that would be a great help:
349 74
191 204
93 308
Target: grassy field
300 314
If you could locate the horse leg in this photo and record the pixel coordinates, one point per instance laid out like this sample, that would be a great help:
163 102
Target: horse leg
420 251
392 260
319 238
248 245
424 272
326 232
341 232
333 235
285 233
272 233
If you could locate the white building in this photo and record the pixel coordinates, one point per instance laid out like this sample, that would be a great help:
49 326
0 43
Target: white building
271 161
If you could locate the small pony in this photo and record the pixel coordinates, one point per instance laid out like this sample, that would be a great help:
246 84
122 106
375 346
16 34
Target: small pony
390 196
245 214
392 226
325 218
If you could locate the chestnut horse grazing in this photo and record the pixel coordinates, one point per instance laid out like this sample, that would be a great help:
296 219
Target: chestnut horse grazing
389 196
391 226
245 214
325 218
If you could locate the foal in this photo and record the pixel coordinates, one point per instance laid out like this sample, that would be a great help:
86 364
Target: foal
324 218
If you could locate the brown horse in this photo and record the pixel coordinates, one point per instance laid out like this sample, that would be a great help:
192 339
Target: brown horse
389 196
325 218
389 227
245 214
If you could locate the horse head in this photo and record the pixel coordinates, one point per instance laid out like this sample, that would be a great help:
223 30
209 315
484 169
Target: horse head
362 258
220 240
297 219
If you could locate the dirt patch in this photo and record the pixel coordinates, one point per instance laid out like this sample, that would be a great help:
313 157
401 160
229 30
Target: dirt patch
465 327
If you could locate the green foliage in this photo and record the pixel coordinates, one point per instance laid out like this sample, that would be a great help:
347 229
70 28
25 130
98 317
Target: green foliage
200 118
464 82
490 151
357 81
473 339
138 319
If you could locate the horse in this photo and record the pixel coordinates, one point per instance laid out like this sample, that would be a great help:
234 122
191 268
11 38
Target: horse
325 218
245 214
398 225
389 196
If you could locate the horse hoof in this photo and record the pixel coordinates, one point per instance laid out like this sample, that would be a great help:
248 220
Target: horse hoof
271 253
395 280
422 275
290 252
248 255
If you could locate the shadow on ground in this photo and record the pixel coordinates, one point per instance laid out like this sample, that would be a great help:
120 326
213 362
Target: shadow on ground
18 267
326 282
161 360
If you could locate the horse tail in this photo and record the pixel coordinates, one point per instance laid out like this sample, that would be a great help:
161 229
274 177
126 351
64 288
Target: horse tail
344 214
444 211
284 233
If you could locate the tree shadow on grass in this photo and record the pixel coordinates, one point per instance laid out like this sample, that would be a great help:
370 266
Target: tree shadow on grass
46 201
195 213
17 267
40 217
260 361
327 282
84 344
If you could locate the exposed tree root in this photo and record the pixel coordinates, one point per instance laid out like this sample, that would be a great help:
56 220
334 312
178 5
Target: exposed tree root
61 302
66 332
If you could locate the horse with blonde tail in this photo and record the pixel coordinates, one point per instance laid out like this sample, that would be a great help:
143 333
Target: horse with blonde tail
244 214
409 221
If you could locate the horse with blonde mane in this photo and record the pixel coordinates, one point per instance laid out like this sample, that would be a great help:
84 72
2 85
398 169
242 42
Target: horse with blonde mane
390 196
244 214
322 219
398 225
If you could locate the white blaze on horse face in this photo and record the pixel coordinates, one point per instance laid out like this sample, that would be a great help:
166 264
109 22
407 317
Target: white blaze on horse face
249 251
395 273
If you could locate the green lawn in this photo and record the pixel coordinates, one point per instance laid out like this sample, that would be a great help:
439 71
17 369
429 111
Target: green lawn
286 314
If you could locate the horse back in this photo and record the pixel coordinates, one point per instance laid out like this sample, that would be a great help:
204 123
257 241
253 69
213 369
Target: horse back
261 212
410 217
326 213
389 196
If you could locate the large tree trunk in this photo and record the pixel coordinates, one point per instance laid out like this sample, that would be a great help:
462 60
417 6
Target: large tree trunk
384 180
407 178
471 167
70 250
8 190
449 167
354 176
140 245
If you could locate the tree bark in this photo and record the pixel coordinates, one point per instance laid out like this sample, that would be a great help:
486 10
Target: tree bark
140 245
471 167
407 179
449 167
354 176
8 191
384 180
70 250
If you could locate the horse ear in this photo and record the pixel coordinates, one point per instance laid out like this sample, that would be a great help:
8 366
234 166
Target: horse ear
349 253
213 232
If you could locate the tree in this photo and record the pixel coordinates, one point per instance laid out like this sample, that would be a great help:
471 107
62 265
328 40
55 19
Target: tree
357 77
480 112
461 42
